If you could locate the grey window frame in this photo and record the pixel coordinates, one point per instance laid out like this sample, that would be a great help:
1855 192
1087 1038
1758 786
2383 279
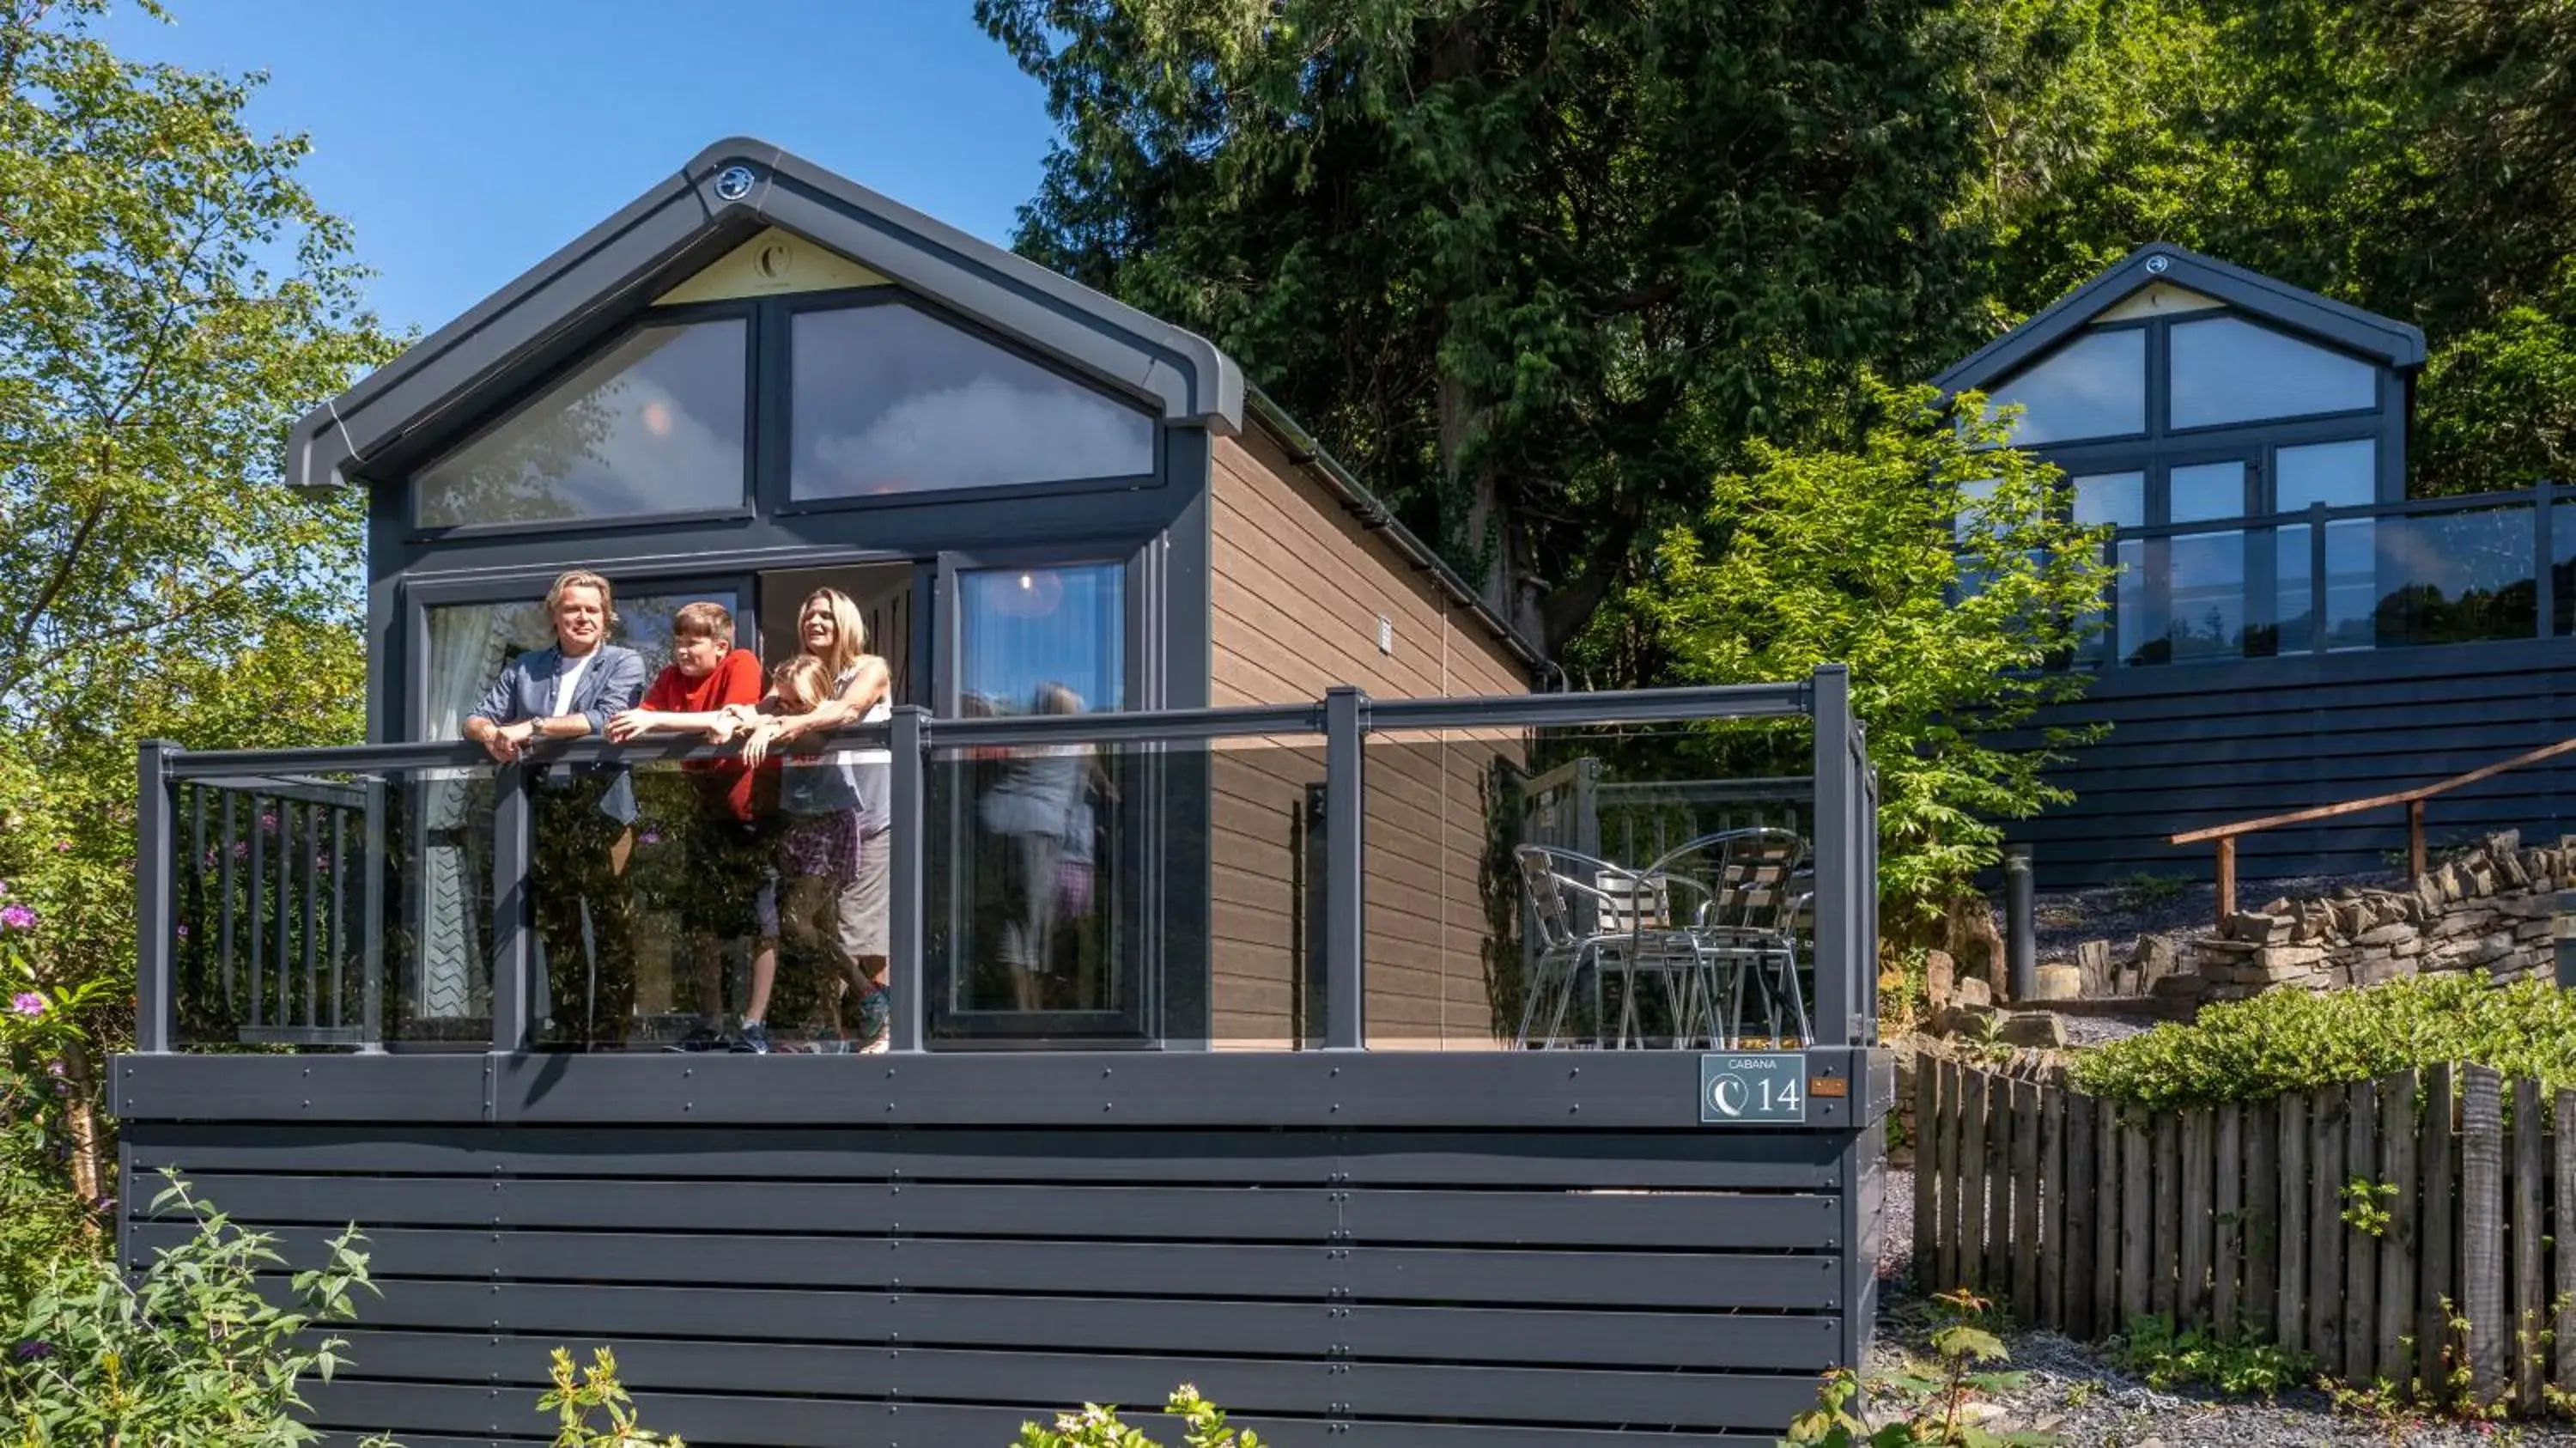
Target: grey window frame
777 424
1139 605
535 391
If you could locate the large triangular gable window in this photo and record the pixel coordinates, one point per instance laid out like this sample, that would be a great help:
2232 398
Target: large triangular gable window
887 400
654 425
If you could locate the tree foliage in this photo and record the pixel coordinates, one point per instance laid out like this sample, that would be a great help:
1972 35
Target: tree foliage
170 298
1942 569
1536 270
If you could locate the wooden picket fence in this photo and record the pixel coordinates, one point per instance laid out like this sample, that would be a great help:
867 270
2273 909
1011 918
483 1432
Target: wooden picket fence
2080 1214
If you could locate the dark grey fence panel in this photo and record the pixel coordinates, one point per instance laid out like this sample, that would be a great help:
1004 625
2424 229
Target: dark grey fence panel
852 1285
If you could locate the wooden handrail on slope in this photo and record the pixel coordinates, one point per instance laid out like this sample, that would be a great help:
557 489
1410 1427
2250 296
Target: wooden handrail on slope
2413 799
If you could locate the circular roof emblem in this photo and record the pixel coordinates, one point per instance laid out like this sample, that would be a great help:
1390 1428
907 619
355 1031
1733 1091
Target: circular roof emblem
734 182
2155 264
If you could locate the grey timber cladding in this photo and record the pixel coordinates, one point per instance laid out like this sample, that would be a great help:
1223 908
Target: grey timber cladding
689 220
1553 1285
2192 746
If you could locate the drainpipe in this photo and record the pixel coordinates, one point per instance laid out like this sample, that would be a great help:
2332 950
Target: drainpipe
2563 927
2021 925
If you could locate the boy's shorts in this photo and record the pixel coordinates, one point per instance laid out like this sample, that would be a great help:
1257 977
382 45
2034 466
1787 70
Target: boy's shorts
732 887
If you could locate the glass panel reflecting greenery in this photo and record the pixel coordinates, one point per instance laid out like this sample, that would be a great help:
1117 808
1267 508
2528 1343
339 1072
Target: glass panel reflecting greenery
2455 577
652 425
2183 599
2116 499
2562 567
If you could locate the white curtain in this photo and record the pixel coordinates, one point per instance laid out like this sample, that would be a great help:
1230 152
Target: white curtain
467 645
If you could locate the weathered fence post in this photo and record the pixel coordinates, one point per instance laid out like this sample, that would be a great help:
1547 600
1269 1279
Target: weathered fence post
2361 1255
2137 1221
1971 1211
2482 1228
2530 1304
2026 1182
1927 1168
2441 1234
2191 1299
2163 1266
2228 1216
2085 1205
2562 1221
2400 1244
2289 1296
2325 1225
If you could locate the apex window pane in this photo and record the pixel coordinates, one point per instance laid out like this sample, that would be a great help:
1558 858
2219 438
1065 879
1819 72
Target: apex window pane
2094 386
652 425
2337 474
2203 491
2226 369
888 400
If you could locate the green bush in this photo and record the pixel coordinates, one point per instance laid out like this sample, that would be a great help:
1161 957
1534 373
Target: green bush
1098 1427
2155 1351
191 1356
2295 1041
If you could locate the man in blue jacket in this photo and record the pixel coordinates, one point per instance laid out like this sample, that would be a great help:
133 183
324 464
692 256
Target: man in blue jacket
583 816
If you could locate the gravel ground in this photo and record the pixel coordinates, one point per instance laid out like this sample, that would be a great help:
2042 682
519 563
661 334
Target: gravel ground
2071 1391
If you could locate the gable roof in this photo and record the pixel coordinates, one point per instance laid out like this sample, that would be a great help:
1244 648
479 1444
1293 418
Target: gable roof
727 193
2392 343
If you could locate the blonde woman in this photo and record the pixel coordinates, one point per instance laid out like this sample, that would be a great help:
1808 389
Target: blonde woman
848 846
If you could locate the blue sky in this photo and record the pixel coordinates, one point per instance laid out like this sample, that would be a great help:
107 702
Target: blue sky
466 139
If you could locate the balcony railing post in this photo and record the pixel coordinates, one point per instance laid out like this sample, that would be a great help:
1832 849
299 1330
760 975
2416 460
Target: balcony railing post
513 940
155 881
1345 874
2316 578
2544 596
1837 784
906 815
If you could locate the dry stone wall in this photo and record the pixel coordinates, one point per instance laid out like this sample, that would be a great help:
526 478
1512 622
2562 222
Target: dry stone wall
2490 910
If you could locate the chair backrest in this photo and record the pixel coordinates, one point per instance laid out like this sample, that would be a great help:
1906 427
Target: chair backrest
1628 904
1551 902
1752 888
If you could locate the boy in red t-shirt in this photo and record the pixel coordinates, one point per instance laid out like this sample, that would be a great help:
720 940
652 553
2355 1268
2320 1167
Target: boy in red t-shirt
731 888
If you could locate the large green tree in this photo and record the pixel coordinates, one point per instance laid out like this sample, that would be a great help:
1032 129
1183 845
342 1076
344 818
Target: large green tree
1536 268
170 298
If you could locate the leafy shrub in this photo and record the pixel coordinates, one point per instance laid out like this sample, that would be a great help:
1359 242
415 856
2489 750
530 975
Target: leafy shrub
1098 1427
2147 890
47 1133
578 1393
2165 1358
1937 1400
192 1356
2294 1041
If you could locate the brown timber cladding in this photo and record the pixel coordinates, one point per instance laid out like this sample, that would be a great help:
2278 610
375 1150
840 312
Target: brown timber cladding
2400 1229
1298 586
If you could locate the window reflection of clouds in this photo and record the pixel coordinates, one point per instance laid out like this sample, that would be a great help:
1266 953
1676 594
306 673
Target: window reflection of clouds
2094 386
887 400
2226 369
655 425
1028 628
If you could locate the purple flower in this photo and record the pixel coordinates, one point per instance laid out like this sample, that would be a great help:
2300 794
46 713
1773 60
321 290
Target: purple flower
268 819
183 932
53 1068
652 837
17 917
62 847
31 1351
107 1204
27 1003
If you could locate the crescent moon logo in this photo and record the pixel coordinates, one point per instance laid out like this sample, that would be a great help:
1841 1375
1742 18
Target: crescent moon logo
1727 1095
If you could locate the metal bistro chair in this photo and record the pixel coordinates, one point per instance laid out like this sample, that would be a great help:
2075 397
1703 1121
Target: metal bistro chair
1745 923
1626 935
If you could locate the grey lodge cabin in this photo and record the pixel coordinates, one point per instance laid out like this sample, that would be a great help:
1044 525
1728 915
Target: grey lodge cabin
1271 991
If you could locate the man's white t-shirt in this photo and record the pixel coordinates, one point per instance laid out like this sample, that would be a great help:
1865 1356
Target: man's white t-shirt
568 681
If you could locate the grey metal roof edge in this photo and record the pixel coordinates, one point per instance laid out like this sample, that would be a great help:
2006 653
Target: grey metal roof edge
685 219
1305 452
2397 344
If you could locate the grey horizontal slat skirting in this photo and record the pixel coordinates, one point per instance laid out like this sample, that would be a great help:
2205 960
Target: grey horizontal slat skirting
723 1422
1043 1381
1566 1090
1683 1159
1392 1274
1632 1339
1706 1221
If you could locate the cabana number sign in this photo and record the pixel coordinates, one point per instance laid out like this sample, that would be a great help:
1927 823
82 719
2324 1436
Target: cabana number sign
1752 1090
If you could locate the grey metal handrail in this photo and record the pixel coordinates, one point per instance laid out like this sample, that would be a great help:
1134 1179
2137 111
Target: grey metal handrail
914 739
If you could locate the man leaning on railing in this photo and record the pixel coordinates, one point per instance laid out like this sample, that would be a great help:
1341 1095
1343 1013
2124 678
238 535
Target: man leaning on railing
583 815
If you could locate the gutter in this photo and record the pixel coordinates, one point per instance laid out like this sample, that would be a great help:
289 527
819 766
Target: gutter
1305 452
